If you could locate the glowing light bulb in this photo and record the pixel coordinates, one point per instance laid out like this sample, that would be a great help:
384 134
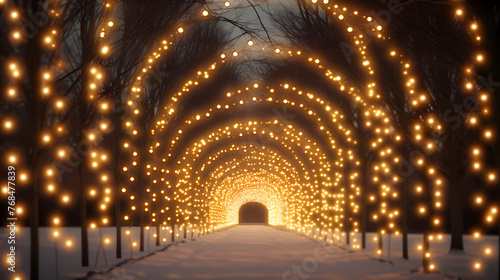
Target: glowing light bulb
11 92
488 134
8 125
491 176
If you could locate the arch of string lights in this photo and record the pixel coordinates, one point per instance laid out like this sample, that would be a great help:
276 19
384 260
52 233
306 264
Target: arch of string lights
308 176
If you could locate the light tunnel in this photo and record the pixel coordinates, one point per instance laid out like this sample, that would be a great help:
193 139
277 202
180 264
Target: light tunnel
343 134
303 157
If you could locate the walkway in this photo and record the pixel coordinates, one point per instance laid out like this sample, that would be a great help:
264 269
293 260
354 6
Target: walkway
258 252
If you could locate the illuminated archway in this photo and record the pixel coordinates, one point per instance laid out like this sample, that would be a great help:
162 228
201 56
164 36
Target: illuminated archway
198 168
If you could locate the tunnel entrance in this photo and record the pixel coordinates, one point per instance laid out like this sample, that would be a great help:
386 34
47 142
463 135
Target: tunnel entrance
253 213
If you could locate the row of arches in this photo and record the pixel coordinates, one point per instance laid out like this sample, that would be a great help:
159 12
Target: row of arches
323 141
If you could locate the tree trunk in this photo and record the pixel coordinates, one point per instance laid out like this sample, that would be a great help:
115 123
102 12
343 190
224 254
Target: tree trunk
142 214
404 218
158 224
158 208
427 224
426 250
363 169
118 211
35 222
380 239
34 158
456 193
87 37
347 217
488 10
83 213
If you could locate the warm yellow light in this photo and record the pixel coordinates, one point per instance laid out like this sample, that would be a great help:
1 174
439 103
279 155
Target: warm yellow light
491 176
11 92
488 134
8 124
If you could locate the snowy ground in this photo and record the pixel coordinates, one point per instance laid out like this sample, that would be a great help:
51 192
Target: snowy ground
256 252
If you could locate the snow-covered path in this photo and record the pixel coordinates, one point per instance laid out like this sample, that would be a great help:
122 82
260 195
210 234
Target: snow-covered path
261 252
